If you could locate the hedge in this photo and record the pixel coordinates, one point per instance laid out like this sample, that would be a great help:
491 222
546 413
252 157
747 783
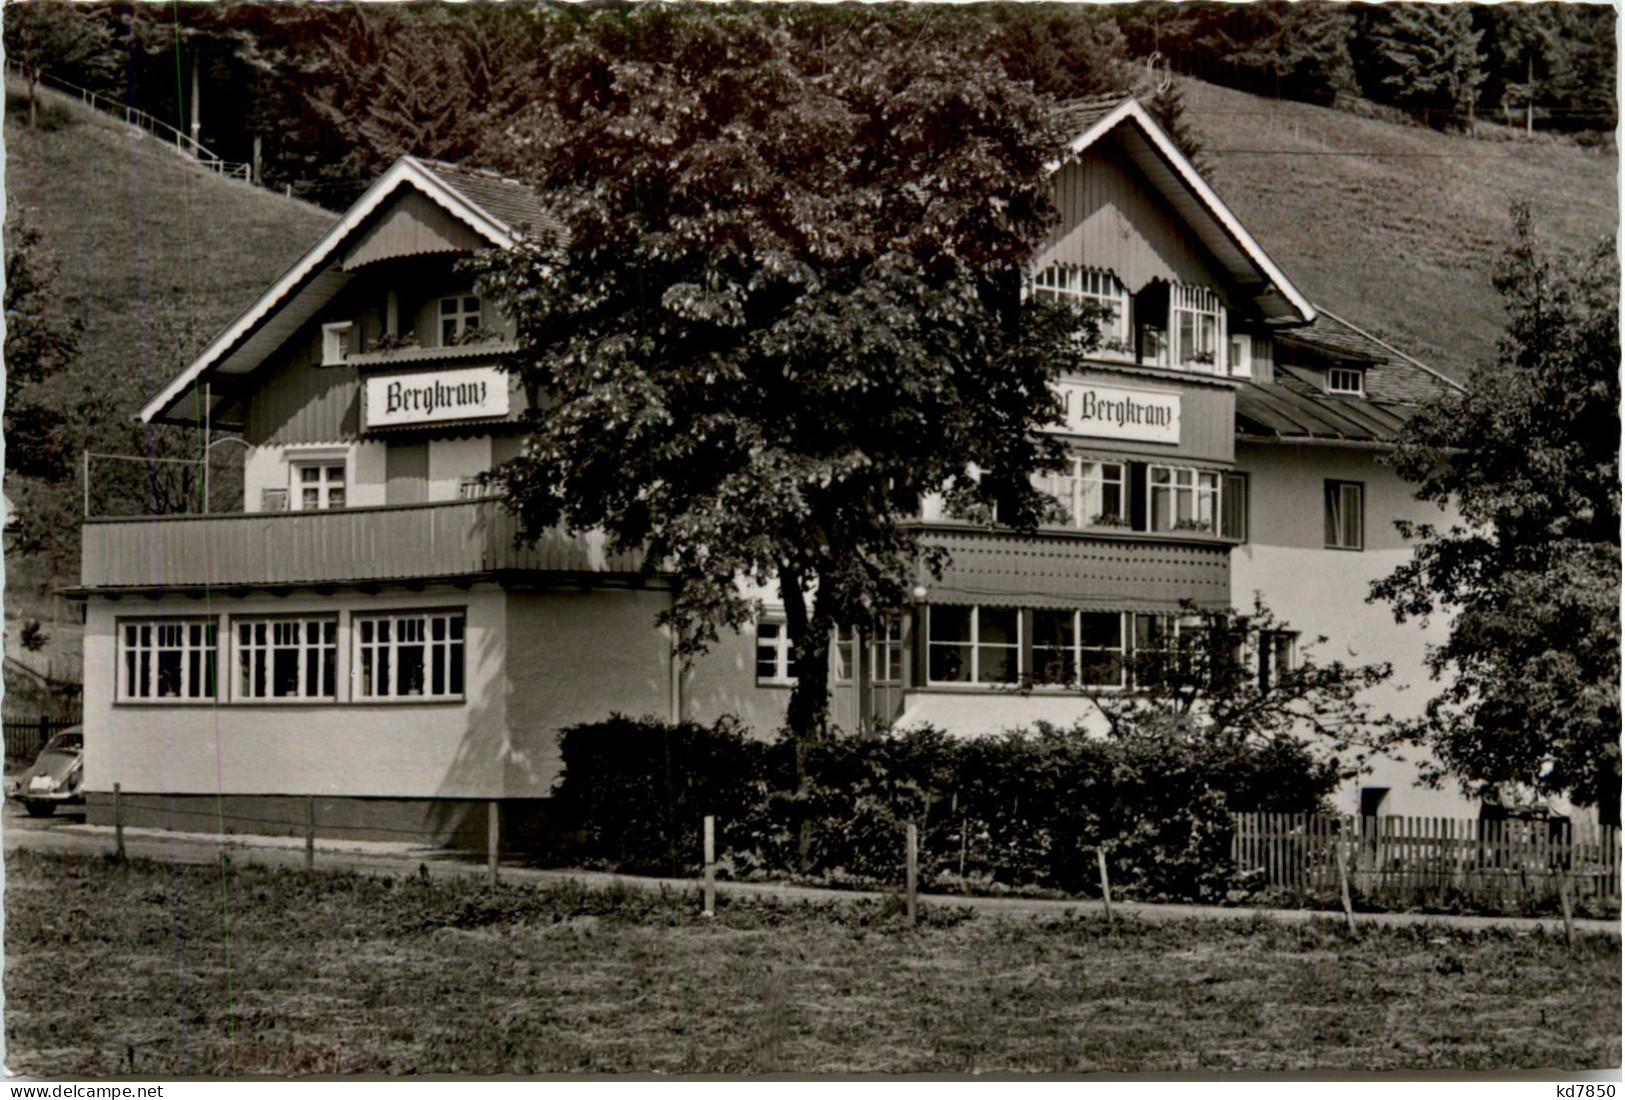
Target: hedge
1021 810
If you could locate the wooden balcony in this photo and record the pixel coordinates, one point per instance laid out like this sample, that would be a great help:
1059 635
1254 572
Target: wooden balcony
423 542
1091 571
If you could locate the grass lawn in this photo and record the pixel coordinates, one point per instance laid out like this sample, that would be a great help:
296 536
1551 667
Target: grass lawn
111 968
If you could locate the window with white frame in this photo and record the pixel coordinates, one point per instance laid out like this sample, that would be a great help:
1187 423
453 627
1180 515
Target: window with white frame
336 342
1092 493
459 315
1345 380
973 645
1196 326
1078 648
167 659
1070 283
886 654
317 484
772 653
1241 355
408 655
846 654
1277 655
1182 498
287 658
1345 515
475 487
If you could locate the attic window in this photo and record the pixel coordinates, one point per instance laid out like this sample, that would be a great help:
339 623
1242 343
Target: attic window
1345 380
459 316
336 339
1076 285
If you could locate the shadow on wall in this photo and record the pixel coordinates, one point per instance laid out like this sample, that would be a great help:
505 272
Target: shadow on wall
456 820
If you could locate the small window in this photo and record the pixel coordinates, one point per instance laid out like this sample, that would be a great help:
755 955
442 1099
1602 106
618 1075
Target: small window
318 485
886 654
273 500
336 342
1345 515
287 658
1233 508
846 654
1345 380
474 487
772 653
1277 655
409 655
459 316
173 659
1241 355
1196 326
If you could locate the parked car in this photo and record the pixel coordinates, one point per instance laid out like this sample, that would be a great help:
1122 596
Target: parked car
57 775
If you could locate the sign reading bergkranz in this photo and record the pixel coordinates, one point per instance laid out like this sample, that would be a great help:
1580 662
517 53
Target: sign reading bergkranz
1114 412
433 397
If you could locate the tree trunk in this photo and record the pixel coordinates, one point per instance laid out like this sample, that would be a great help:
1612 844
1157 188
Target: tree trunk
33 85
197 121
807 715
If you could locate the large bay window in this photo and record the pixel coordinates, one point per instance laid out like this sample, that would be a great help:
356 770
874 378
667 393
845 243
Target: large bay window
1071 284
167 659
973 645
409 655
287 658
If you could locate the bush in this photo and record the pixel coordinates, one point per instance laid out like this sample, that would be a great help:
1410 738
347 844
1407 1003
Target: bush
635 792
1021 811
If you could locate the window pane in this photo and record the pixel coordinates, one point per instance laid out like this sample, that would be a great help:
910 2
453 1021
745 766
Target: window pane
949 663
950 624
1101 628
997 664
409 670
285 673
997 625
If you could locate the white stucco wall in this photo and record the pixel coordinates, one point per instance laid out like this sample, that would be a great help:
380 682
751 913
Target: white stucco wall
267 468
1318 592
378 749
451 460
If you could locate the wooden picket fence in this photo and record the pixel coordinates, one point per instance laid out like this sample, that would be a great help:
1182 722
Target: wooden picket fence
1422 860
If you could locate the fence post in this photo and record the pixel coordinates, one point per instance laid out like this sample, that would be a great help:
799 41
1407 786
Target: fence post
310 832
493 838
44 732
710 866
911 869
118 820
1568 910
1343 874
1105 884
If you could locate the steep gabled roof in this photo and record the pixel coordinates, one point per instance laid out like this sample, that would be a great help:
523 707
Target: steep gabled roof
1173 175
492 207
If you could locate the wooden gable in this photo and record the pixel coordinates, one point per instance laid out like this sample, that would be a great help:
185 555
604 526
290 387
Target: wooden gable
1113 219
412 225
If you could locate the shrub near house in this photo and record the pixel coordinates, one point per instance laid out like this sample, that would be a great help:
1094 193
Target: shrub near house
1025 809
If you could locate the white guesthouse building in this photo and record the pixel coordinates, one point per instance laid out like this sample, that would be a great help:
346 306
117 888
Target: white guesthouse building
367 632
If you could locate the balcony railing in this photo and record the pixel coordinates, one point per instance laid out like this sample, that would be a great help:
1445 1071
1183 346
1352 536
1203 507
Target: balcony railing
1119 571
474 538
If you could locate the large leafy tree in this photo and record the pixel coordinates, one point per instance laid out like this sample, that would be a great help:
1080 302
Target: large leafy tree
786 304
55 38
1530 575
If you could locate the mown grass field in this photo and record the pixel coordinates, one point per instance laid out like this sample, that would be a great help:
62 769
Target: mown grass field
1398 228
114 968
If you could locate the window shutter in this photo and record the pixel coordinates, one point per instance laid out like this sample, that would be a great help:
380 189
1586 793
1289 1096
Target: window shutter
1138 520
1233 519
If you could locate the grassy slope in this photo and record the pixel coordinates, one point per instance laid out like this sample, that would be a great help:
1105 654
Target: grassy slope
336 973
138 234
137 230
1402 244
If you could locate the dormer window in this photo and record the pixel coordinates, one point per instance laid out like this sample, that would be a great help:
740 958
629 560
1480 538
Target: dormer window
459 315
336 342
1072 284
1196 324
1345 380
